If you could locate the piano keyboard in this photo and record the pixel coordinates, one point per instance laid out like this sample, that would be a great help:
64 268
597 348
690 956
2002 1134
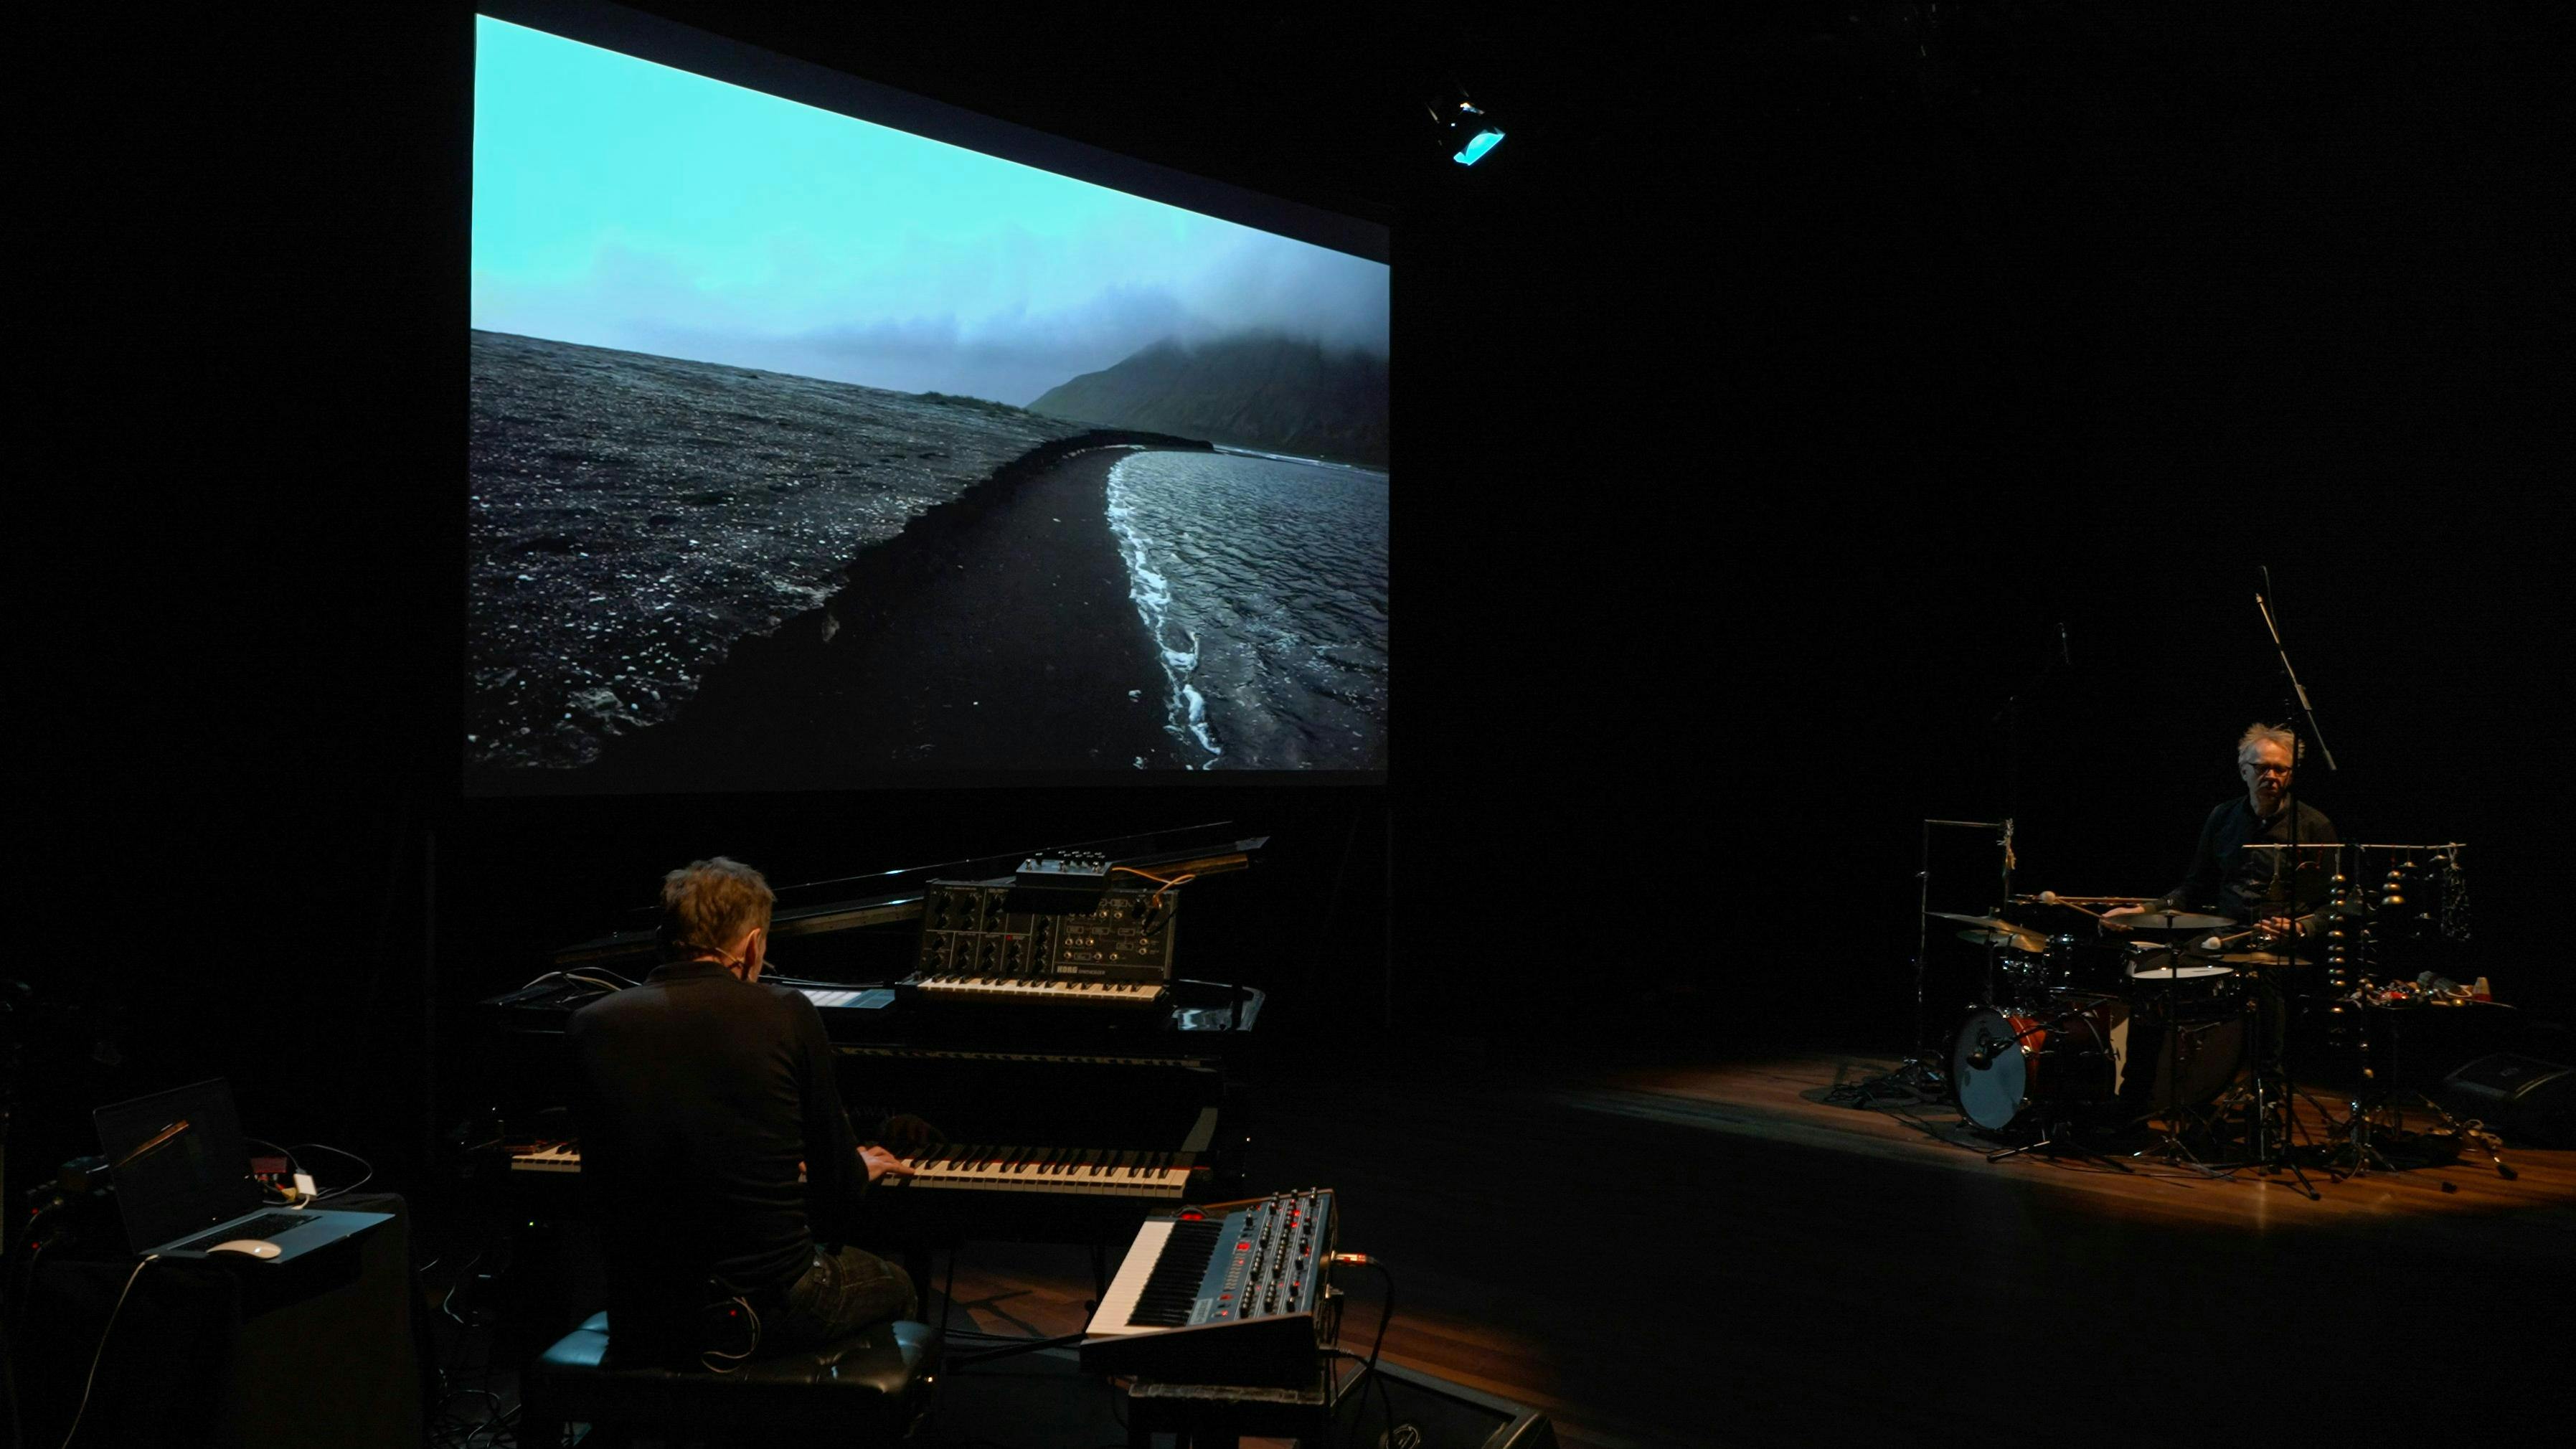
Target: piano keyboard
1254 1271
1079 1059
1040 989
1107 1172
995 1169
1051 1169
861 998
1146 1262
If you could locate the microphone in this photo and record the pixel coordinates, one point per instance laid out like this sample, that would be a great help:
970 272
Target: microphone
2064 655
1989 1047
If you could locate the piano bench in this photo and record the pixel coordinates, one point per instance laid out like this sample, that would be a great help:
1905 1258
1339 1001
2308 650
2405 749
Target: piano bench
873 1387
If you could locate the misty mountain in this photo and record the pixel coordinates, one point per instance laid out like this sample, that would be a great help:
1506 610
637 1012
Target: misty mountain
1278 394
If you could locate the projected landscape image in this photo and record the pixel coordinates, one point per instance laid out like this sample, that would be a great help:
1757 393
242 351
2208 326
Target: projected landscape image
807 450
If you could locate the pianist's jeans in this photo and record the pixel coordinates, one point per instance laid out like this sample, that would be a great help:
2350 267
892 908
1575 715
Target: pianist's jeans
841 1293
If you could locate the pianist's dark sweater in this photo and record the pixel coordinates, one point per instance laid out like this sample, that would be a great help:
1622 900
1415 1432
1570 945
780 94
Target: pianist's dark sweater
699 1096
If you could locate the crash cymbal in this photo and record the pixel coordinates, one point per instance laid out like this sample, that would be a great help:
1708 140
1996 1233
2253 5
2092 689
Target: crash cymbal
1971 920
2005 936
2256 958
2166 921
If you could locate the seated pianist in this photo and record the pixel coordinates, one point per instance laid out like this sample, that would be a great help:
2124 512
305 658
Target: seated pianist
703 1095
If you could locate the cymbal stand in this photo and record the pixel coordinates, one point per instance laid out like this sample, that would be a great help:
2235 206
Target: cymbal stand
1926 1071
2176 1152
2052 1144
2363 1153
1918 1070
2265 1155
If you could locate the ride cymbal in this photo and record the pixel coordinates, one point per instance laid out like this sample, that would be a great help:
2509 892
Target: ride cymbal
2166 921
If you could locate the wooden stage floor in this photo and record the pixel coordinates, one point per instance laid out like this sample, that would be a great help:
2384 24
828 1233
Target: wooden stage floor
1702 1252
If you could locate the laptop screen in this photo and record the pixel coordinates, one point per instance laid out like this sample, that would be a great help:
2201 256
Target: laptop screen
179 1161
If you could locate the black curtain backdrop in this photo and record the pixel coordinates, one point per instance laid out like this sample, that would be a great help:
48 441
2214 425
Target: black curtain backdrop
1764 412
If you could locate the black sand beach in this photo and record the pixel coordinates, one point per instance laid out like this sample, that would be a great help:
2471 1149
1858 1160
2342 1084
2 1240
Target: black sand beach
994 633
633 518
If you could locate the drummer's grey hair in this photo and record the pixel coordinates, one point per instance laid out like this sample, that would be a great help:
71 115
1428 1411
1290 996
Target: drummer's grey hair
2258 733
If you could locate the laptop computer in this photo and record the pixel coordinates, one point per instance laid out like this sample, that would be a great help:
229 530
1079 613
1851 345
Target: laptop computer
183 1181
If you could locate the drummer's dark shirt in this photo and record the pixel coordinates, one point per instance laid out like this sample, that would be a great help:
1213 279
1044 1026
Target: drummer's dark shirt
2227 878
699 1095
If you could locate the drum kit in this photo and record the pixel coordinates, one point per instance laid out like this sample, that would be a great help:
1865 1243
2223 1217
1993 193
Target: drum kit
2080 984
2107 1014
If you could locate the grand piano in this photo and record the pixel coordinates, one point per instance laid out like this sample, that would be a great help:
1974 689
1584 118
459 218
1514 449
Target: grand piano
1038 1021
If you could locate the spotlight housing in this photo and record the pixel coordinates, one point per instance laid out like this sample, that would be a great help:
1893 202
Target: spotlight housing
1466 132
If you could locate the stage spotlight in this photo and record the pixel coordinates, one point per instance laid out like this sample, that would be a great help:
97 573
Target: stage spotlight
1466 132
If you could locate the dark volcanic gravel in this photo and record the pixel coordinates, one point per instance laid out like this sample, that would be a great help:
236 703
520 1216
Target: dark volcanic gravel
995 634
634 518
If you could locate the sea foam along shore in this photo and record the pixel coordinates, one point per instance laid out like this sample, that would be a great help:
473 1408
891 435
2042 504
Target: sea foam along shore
1153 597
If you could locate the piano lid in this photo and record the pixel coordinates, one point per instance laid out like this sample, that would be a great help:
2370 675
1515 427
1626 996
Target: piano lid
891 896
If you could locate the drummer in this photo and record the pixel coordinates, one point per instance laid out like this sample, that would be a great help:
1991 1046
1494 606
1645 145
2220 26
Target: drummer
2226 878
2229 880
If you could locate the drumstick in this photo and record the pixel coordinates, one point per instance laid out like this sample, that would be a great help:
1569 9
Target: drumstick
2049 898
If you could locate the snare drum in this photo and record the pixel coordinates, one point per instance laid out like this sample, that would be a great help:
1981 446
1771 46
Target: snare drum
2193 990
2052 1063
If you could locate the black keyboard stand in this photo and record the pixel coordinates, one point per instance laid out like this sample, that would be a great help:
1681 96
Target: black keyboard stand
1222 1414
1014 1350
948 1300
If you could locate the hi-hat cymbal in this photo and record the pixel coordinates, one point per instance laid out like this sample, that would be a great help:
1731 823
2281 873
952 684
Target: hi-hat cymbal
2256 958
2006 936
2154 920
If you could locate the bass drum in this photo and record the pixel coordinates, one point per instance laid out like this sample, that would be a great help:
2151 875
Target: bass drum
2052 1064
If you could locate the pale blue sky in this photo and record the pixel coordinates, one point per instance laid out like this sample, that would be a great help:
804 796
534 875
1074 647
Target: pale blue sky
625 204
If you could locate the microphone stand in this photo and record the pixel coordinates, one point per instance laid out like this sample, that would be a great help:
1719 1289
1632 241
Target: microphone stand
2267 1157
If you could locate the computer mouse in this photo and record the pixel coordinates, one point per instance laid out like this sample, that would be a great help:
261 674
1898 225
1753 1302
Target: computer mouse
253 1246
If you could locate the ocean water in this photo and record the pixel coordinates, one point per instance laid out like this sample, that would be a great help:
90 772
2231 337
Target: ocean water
1264 581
